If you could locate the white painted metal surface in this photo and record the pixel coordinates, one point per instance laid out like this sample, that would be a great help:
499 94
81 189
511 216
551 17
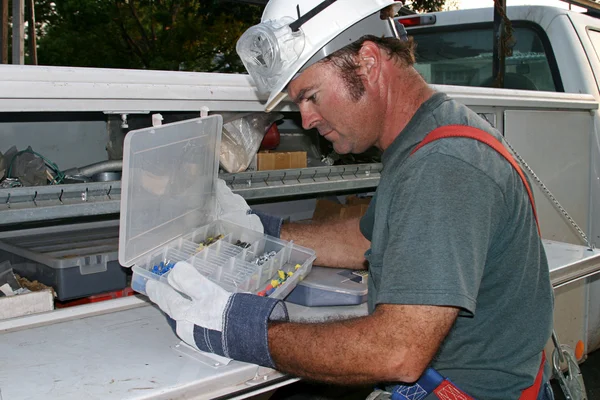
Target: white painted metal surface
571 319
122 355
112 351
91 89
584 28
556 146
592 312
71 313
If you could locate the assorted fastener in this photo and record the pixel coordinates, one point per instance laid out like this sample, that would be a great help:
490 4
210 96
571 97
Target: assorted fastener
275 283
208 242
264 258
241 244
162 268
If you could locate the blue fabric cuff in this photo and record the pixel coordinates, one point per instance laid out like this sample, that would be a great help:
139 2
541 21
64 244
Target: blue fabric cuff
271 223
246 327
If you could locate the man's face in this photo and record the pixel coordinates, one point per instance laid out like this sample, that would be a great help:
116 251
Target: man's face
326 104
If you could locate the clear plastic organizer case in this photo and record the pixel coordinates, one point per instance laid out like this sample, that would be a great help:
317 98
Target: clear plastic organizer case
168 214
230 255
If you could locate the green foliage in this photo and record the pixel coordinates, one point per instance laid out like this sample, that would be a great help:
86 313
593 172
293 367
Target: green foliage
191 35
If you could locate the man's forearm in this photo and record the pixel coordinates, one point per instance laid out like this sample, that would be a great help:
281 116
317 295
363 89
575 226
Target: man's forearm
395 344
337 243
337 352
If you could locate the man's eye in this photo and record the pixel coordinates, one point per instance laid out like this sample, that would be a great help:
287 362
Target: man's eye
312 98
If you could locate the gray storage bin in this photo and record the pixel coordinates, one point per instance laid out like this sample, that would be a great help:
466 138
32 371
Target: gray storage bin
76 260
330 287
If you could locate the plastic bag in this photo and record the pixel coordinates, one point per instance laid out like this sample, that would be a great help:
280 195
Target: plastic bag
5 161
29 169
242 135
2 166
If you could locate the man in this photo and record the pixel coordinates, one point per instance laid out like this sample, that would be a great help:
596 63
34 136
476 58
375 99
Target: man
458 278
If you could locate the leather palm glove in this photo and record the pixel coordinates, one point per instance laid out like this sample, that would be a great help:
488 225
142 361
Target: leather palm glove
210 319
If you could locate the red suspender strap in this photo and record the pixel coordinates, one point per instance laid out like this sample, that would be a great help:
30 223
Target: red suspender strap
532 392
464 131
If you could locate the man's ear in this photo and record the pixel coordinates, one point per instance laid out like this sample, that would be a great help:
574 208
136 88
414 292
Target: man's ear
369 62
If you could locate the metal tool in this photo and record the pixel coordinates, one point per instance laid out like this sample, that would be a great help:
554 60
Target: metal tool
379 394
107 176
570 381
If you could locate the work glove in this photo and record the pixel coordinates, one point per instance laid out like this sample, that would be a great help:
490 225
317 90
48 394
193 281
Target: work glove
210 319
271 223
232 207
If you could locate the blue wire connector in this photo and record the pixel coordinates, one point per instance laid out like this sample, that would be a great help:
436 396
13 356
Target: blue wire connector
162 268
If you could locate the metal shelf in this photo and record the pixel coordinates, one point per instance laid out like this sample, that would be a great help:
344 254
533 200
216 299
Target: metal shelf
42 203
303 181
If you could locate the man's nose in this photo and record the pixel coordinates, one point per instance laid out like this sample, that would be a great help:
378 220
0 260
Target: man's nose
310 117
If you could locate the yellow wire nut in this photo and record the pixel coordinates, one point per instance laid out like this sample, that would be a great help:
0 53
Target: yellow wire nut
281 274
297 267
275 283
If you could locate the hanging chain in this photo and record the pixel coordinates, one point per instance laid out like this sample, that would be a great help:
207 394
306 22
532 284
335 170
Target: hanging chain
549 194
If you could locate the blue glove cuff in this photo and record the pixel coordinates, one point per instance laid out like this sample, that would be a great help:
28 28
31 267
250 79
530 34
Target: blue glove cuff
246 326
271 223
244 335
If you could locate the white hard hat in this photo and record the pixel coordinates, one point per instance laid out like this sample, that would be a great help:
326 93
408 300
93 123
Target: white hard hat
293 35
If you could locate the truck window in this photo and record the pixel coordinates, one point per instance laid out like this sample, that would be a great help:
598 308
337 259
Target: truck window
464 58
595 39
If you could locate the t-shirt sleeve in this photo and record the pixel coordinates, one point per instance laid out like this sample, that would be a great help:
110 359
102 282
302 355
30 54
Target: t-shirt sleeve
368 220
442 220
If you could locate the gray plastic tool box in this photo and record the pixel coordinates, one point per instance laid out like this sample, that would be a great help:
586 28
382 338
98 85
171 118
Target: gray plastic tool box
76 260
330 287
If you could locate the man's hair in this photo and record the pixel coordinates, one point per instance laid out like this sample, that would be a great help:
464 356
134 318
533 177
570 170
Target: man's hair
403 52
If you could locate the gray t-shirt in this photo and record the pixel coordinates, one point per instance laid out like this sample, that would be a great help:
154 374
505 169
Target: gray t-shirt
452 225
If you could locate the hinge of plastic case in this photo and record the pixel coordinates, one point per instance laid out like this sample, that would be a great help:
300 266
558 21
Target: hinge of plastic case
204 110
263 374
212 360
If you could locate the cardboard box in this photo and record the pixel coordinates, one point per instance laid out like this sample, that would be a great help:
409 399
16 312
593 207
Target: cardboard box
354 200
267 160
353 211
327 209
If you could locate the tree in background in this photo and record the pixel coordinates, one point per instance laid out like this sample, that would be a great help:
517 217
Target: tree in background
189 35
451 5
422 6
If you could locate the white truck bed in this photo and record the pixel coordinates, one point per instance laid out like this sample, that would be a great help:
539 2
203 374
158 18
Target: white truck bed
124 348
122 353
